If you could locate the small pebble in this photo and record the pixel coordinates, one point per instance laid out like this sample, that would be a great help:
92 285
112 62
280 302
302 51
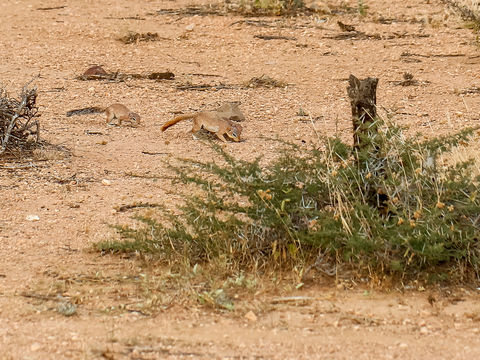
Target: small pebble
32 218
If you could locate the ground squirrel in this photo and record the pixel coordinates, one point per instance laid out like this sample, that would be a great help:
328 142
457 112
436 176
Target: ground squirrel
117 112
230 111
211 121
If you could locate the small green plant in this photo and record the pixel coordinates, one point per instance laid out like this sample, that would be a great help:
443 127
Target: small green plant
362 8
301 112
473 25
390 210
216 299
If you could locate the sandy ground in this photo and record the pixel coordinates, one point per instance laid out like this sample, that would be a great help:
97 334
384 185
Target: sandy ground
46 264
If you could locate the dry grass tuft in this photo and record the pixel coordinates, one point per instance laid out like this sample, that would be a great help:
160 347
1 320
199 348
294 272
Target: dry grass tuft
134 37
266 82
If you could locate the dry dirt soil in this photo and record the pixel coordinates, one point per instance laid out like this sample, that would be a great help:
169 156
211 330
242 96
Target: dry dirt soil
54 206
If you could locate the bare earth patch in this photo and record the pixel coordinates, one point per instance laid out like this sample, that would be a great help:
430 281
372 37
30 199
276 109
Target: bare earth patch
58 299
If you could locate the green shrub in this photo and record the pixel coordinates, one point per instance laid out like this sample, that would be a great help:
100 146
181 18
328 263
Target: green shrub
395 212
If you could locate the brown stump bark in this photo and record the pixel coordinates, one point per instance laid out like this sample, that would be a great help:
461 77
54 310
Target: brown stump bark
363 99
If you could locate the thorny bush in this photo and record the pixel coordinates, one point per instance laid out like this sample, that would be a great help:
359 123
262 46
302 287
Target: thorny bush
400 213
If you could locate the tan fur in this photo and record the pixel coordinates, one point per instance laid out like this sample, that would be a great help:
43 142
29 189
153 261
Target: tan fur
117 112
211 121
120 113
230 111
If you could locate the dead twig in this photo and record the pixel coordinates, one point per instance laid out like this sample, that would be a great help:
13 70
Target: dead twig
91 132
204 87
194 10
360 35
22 166
408 54
274 37
265 81
125 18
52 8
346 27
136 206
204 75
259 23
38 296
56 89
18 127
121 77
133 37
154 153
293 299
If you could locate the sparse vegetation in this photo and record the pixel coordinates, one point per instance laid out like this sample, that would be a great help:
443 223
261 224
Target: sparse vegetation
325 245
301 112
362 8
401 214
468 10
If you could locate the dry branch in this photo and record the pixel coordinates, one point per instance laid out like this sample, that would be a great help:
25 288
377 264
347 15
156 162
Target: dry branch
204 87
120 77
134 37
51 8
274 37
18 127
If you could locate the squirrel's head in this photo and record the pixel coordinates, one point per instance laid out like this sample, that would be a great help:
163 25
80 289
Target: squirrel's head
234 131
134 117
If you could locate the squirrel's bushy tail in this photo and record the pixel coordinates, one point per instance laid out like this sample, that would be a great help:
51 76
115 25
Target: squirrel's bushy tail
87 110
176 120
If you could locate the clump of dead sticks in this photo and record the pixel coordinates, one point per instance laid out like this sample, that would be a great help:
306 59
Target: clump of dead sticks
134 37
97 72
19 126
266 82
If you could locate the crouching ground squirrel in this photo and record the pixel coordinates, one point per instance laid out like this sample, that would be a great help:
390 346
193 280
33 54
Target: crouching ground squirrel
114 112
211 121
230 111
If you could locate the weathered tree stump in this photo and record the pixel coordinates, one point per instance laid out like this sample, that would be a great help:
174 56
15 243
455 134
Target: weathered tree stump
367 151
363 99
